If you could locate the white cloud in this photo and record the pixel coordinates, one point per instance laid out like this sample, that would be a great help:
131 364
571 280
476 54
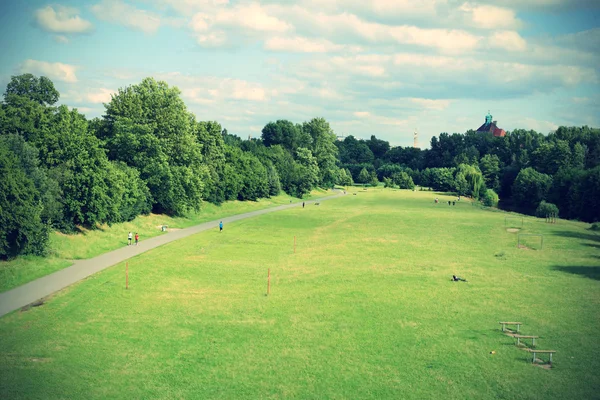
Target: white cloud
362 114
101 95
491 17
443 39
59 19
58 71
508 40
119 12
207 90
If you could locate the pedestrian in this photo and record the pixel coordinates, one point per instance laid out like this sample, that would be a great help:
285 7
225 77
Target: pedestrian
436 200
453 203
137 238
302 204
129 237
448 202
221 226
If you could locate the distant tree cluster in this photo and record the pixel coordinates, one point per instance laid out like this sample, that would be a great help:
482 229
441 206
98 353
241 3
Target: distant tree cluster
518 171
59 170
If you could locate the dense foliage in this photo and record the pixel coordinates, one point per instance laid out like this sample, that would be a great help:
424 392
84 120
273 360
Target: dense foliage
147 153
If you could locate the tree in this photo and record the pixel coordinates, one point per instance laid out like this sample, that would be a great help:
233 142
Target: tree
490 169
403 180
47 189
22 230
544 210
148 127
344 177
490 198
530 188
285 133
364 176
353 151
41 90
324 149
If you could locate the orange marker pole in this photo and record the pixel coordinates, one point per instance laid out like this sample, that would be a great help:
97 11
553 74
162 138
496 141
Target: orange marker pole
269 281
294 244
126 275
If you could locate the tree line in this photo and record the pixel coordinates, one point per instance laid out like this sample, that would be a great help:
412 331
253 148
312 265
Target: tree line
59 170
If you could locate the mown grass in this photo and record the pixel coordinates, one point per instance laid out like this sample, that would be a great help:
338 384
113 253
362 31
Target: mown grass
90 243
365 308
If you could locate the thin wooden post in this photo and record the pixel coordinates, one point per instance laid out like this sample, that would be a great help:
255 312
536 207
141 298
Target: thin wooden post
269 281
294 244
126 275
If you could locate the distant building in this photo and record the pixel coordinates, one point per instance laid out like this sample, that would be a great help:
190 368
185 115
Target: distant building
340 138
491 127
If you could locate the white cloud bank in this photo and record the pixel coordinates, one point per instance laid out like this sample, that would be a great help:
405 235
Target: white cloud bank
55 71
60 19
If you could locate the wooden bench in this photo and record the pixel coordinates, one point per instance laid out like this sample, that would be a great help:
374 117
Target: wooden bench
316 204
519 337
534 351
518 324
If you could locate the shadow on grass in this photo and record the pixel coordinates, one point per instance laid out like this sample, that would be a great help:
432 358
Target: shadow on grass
578 235
588 272
593 245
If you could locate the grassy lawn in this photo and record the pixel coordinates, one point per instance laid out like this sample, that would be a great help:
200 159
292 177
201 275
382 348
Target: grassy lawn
90 243
365 308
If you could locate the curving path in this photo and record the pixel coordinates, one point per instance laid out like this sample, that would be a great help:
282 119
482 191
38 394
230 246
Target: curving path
45 286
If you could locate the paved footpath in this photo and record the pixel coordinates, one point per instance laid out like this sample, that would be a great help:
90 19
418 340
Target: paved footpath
45 286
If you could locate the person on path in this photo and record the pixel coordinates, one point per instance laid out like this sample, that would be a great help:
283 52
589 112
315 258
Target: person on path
129 237
137 238
221 226
302 204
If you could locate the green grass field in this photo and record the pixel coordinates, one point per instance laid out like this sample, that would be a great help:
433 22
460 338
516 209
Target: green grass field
90 243
365 308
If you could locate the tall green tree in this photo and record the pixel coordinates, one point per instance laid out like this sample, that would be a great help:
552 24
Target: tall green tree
22 230
148 127
323 149
530 188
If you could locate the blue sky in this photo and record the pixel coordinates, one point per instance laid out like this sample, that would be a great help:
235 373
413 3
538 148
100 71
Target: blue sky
382 67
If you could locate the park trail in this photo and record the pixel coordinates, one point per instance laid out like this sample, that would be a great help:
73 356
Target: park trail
33 292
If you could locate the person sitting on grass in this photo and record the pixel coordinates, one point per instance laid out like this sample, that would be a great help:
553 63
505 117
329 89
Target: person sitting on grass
458 278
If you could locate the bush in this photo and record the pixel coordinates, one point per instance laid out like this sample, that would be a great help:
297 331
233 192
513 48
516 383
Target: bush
403 180
595 226
546 209
490 198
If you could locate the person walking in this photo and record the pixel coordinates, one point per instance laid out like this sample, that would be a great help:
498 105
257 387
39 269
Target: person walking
137 238
221 226
129 237
302 204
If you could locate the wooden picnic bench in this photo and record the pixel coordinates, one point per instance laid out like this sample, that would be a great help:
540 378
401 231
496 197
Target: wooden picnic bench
519 337
534 351
518 324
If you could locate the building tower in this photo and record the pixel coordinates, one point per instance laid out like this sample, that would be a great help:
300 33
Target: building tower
416 139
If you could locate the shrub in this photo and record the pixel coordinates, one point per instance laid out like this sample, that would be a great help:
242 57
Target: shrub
490 198
546 209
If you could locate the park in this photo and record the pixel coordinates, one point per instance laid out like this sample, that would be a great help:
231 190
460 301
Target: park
351 298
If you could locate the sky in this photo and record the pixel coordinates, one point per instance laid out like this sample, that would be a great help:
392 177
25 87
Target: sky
381 67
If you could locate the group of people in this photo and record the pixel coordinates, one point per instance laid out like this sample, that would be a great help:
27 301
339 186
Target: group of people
130 237
449 202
